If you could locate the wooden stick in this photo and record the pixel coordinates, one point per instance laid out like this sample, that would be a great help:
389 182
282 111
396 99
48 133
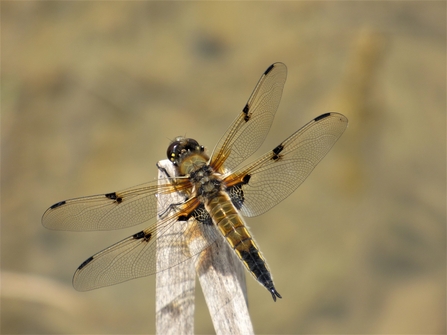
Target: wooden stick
175 286
221 276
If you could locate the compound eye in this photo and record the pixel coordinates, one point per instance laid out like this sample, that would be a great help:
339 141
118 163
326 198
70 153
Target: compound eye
192 145
172 151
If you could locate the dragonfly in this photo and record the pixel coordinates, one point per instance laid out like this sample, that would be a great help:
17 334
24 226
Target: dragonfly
215 192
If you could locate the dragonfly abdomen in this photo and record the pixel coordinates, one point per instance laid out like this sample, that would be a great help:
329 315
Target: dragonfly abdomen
232 227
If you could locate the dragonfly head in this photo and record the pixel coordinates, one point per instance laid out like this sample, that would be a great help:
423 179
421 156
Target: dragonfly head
186 152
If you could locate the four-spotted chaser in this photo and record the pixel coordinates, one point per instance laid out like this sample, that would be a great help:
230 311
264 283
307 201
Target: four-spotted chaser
215 193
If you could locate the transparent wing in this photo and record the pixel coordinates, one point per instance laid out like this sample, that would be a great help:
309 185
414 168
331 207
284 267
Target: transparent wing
252 125
136 256
114 210
274 176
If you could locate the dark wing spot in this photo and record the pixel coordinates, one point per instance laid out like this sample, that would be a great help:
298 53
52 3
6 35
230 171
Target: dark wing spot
113 196
246 179
138 235
85 263
58 204
322 116
246 110
278 149
276 152
269 69
142 234
183 217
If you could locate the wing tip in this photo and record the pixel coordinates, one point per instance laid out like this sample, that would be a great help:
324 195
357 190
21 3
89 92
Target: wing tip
269 68
56 205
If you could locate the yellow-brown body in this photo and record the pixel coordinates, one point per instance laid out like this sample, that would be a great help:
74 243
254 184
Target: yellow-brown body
209 188
232 227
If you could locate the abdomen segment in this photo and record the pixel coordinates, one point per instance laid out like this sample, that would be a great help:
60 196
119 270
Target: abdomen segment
232 227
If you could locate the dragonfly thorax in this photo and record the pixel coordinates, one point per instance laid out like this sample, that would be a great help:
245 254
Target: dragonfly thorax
206 182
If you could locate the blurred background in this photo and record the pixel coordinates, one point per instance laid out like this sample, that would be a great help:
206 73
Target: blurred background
92 93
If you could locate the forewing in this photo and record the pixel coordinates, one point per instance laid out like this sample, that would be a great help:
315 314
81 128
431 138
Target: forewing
136 256
114 210
249 129
266 182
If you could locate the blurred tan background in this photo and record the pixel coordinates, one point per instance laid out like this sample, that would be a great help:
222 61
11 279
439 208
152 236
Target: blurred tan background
93 92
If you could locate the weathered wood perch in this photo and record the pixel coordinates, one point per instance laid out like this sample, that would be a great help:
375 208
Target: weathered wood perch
221 276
